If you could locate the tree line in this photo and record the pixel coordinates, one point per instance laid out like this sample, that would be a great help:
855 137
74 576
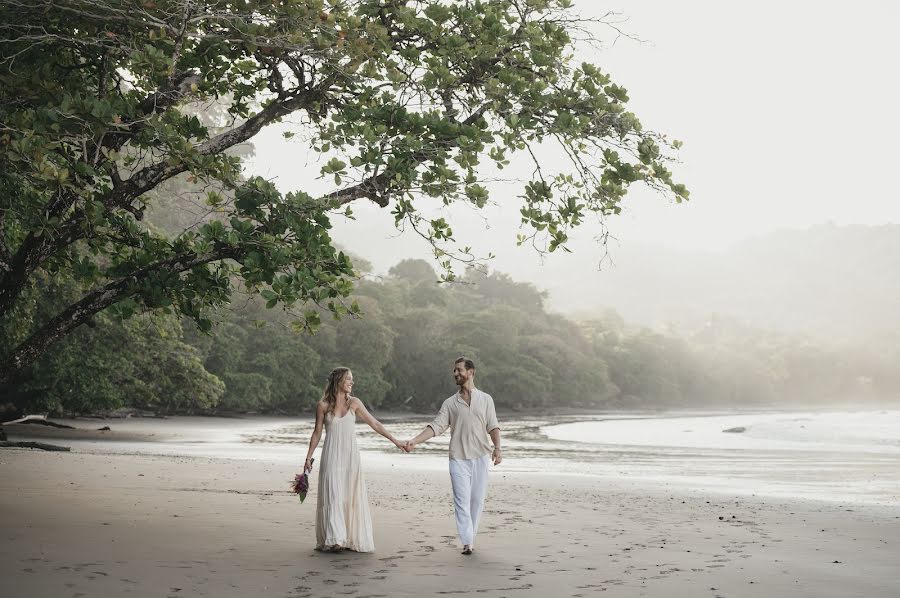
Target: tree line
402 350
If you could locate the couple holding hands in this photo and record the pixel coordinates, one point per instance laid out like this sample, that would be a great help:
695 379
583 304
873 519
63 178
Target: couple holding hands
343 519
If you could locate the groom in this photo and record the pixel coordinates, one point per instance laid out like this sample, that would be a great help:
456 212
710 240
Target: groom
472 420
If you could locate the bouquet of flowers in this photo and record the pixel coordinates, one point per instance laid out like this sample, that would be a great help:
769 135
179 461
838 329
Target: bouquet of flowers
301 483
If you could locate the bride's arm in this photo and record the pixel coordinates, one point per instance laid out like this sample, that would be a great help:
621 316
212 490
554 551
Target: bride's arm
316 435
376 425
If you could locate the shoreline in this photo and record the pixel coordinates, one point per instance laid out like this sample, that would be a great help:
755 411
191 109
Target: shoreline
86 421
706 459
542 412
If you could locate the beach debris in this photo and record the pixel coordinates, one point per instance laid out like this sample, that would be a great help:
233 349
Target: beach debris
38 420
104 429
32 445
735 430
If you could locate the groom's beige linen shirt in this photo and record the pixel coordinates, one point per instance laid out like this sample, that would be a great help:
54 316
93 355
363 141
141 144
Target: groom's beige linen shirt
470 425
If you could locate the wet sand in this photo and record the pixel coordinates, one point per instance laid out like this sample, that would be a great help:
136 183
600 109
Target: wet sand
94 524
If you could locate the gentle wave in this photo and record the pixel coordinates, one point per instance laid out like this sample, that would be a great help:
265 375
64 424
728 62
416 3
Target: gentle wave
869 431
847 457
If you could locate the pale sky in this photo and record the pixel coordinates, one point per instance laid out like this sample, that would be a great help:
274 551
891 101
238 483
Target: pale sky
789 112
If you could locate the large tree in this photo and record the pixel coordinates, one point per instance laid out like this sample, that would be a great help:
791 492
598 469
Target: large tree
406 97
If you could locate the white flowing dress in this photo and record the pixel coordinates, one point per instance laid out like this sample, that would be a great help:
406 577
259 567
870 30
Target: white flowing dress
342 511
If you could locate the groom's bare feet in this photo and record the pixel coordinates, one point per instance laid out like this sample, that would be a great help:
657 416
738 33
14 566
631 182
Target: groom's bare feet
467 549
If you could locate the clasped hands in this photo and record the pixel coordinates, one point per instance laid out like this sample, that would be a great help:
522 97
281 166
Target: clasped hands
406 445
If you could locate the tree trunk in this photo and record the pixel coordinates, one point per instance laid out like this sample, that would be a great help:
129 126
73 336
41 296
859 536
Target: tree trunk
23 356
33 445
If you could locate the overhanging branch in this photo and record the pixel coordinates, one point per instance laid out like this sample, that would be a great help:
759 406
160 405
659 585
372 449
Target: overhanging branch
97 300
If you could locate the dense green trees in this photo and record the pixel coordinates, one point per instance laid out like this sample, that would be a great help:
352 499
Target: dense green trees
402 351
142 362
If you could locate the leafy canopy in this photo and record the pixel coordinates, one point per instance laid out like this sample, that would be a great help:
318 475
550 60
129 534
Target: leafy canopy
99 105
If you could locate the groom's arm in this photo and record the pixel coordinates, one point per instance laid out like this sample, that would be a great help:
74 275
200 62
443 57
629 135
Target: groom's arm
424 435
435 428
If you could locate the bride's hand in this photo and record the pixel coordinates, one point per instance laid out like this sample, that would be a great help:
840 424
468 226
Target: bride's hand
307 466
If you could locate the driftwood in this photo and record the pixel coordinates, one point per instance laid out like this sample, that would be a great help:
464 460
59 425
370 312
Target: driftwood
41 422
33 445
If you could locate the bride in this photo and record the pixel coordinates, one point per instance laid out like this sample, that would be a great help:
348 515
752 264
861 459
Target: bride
343 519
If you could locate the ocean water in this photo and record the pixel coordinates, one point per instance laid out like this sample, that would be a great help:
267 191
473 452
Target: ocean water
859 432
842 457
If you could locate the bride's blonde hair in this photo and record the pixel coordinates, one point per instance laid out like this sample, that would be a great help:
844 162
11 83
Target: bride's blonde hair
335 379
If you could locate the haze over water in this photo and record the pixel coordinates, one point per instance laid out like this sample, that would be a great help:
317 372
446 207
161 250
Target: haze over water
845 457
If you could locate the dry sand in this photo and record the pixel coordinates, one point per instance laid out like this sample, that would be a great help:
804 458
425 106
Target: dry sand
88 524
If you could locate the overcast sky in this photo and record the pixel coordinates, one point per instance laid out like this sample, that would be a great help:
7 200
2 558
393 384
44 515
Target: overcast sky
789 112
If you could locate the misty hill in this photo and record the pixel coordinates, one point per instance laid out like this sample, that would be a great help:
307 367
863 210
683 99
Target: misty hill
832 282
835 283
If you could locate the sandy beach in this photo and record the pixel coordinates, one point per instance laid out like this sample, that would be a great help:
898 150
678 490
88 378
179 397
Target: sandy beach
92 523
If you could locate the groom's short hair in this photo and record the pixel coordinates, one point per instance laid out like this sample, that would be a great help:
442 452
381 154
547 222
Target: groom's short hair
470 365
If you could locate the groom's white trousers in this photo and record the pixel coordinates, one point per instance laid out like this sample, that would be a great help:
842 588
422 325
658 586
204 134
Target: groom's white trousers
469 480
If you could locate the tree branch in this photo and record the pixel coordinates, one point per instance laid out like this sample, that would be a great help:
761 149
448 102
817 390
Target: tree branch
35 249
148 178
377 187
94 302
